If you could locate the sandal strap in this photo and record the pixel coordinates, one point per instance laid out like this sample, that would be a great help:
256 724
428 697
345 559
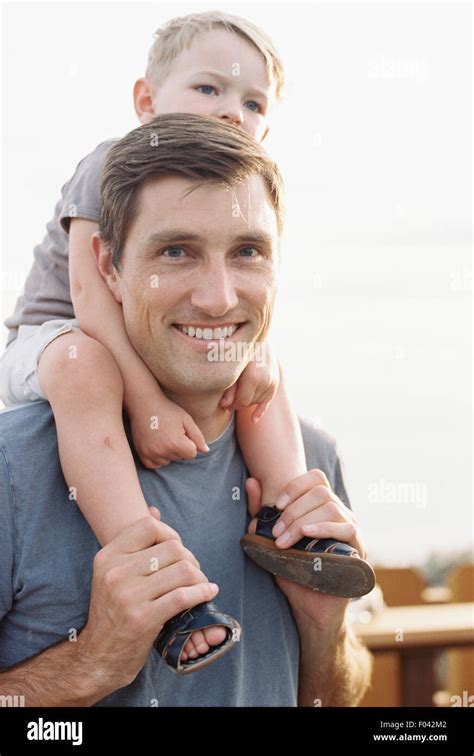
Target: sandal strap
176 632
267 517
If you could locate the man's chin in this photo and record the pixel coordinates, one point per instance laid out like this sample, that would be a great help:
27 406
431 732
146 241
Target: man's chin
215 382
204 379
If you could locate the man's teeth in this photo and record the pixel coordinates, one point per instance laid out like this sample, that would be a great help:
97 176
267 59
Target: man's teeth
208 333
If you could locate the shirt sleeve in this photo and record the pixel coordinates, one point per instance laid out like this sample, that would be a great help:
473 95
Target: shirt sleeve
81 194
7 534
339 482
322 452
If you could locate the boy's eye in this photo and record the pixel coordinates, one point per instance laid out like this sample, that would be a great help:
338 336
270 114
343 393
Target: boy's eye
252 105
174 253
206 89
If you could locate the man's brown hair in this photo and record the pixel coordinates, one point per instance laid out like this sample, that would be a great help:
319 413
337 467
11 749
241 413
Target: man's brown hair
178 144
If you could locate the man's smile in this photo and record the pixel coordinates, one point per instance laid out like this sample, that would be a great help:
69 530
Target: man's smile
201 334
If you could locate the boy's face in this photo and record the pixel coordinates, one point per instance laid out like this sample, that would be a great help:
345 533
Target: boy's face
219 75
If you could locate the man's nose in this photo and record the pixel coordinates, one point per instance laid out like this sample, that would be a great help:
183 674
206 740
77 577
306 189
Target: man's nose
214 292
230 109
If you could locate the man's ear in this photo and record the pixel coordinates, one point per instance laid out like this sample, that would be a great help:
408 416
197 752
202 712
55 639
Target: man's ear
143 101
103 258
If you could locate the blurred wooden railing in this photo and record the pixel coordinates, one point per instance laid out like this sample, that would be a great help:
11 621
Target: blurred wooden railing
406 587
460 664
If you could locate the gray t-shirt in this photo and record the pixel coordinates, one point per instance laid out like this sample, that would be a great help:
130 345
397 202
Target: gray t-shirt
47 294
47 549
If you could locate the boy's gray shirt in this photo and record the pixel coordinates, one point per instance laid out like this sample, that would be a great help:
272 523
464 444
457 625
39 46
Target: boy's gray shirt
47 550
47 293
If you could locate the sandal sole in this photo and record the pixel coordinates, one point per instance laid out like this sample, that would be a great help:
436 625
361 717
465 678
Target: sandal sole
349 577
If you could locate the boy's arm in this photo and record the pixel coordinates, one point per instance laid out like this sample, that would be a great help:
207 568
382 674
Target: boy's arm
99 314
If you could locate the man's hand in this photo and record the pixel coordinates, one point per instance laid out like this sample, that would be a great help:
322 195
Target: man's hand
162 431
334 667
310 508
257 384
141 579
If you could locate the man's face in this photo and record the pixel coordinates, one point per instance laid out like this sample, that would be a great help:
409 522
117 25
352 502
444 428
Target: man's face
219 75
198 256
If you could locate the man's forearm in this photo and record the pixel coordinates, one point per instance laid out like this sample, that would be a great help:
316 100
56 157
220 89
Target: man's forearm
335 668
59 676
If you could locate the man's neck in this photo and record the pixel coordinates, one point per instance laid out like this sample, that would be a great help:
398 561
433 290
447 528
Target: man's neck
206 413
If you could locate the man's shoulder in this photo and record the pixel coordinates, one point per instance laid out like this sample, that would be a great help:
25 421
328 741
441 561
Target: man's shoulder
320 446
321 451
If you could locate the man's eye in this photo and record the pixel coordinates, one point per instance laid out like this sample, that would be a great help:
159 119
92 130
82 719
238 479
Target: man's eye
249 252
174 253
206 89
252 105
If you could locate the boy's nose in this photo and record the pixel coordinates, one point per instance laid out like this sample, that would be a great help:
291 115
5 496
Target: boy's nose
231 110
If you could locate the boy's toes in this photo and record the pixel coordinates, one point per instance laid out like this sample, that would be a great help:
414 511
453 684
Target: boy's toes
215 635
189 651
195 646
200 641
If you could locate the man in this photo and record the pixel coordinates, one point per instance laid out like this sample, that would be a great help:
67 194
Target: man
78 622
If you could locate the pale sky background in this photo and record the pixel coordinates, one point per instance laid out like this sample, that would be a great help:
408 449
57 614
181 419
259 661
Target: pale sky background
373 319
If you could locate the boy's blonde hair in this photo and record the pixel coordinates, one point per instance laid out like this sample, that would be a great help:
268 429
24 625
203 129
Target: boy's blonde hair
178 33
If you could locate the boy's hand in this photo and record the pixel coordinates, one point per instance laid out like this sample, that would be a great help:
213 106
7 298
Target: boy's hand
163 432
257 384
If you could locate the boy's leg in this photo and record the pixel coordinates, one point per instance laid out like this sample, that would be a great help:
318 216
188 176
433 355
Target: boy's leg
83 384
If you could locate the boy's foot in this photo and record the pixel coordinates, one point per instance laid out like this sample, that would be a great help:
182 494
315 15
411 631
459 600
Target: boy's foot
201 640
211 632
322 564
